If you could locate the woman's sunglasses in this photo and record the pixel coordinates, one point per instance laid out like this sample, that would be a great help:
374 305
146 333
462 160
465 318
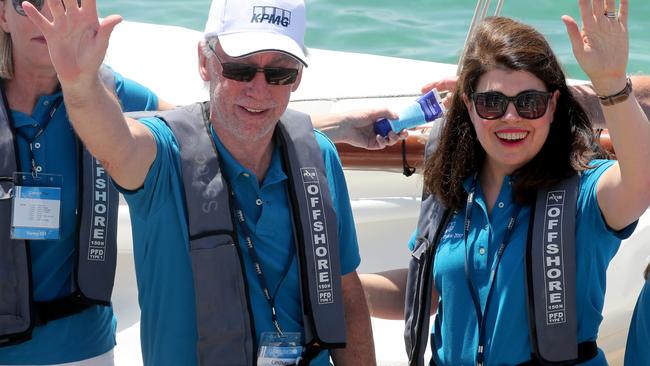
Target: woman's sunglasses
530 104
245 72
38 4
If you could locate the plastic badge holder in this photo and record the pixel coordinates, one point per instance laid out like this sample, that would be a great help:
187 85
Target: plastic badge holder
36 206
279 349
426 108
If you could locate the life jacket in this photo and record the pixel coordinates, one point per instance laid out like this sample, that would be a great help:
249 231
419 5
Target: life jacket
226 336
550 273
96 247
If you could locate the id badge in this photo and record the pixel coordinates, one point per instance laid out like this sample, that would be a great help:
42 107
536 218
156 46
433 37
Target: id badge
279 349
36 207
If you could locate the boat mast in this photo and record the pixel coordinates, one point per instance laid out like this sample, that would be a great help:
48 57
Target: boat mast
480 12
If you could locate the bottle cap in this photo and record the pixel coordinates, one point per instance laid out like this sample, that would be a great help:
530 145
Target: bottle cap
383 127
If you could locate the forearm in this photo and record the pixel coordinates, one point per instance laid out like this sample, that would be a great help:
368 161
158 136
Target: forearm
97 118
331 125
163 105
360 349
356 128
625 194
385 293
630 133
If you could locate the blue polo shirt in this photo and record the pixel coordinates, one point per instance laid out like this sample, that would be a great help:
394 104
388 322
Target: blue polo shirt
164 274
454 334
91 332
638 338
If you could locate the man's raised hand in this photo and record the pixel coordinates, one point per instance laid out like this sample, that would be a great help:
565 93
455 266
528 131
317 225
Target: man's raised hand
76 40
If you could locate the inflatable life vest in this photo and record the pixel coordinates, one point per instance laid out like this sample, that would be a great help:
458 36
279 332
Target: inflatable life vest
96 248
553 330
227 337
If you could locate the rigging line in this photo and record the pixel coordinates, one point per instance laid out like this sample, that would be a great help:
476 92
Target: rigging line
497 12
475 19
482 7
485 9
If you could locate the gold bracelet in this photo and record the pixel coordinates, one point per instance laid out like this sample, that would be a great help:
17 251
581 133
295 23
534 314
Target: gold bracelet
619 97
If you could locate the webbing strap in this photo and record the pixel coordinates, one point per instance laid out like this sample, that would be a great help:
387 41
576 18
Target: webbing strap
551 273
586 351
46 311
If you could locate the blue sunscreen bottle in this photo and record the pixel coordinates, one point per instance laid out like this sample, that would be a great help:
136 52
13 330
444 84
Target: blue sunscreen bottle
426 108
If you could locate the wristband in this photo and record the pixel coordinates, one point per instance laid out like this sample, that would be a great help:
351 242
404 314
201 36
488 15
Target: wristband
619 97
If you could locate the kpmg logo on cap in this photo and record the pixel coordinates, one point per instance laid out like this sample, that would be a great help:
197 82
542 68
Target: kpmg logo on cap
271 15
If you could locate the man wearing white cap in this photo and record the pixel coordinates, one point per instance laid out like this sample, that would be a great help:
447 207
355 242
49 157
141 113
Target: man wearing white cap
245 246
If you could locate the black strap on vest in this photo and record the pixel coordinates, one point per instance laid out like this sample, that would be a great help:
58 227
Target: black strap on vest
308 355
226 337
46 311
96 247
586 351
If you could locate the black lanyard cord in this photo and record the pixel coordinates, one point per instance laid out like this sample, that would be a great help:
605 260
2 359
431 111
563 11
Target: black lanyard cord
239 216
41 130
481 315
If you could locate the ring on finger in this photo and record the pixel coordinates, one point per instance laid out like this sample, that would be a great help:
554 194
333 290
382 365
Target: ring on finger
611 14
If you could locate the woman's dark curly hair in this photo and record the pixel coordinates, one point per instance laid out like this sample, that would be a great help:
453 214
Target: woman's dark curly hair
505 44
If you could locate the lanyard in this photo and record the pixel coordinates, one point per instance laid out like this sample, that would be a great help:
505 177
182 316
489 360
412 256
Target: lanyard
480 315
43 127
239 215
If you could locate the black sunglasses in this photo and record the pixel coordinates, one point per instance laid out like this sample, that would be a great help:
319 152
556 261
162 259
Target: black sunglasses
530 104
245 72
38 4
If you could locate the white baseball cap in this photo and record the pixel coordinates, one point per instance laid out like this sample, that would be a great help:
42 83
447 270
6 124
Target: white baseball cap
245 27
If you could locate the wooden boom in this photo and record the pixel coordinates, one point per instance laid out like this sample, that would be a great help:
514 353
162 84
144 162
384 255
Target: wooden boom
390 158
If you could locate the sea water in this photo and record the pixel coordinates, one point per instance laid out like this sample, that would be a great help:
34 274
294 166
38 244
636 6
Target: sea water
430 30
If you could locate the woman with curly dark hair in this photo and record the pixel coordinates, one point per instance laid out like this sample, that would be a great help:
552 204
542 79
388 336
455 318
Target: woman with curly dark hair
504 49
514 129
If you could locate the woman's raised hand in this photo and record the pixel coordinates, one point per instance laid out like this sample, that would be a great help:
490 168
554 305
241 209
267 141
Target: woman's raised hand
601 46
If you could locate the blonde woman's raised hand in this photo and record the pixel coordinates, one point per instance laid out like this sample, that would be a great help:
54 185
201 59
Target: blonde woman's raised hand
76 40
601 45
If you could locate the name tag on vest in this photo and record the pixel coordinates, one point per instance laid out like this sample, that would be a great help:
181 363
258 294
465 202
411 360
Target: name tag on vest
279 349
36 207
